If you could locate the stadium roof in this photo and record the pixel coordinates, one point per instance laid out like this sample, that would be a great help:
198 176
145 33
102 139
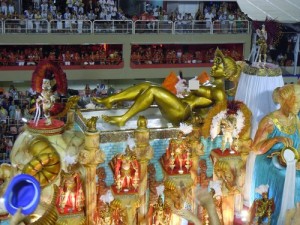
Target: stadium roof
284 11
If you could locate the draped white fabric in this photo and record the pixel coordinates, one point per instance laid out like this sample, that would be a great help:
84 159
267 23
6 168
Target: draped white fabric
248 178
288 194
256 93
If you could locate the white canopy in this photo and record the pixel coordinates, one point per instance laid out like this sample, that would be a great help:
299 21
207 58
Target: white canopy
284 11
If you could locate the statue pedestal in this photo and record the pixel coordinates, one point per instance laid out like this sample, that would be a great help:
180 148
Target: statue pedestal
78 218
57 127
228 209
226 168
129 202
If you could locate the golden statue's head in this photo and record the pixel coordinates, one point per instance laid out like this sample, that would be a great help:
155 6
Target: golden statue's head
225 66
288 96
223 171
142 122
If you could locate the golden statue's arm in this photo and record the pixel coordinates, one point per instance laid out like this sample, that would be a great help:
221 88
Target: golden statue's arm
261 143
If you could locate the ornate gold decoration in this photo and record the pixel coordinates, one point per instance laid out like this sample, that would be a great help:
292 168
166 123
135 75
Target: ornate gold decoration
265 72
7 172
51 131
262 209
45 163
287 129
244 133
71 104
162 213
91 124
50 216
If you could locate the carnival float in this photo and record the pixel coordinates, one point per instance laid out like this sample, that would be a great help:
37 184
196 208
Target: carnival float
170 158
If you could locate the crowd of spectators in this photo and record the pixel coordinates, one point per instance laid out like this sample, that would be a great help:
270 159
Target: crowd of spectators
13 107
71 16
227 16
83 55
159 54
64 55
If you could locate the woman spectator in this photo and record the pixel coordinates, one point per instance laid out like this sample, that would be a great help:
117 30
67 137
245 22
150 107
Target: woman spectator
18 115
37 20
59 24
12 111
231 18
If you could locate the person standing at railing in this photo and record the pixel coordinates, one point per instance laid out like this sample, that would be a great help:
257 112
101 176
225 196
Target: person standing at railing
67 18
11 8
91 15
222 21
36 4
156 12
73 22
59 25
151 22
80 18
239 23
81 8
69 4
208 18
52 9
44 6
199 15
37 19
179 21
29 18
44 15
231 18
4 7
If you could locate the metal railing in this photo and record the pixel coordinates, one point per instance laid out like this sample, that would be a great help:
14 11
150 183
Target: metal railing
113 26
10 26
71 26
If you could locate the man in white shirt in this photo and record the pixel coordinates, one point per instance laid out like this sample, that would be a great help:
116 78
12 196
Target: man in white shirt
208 18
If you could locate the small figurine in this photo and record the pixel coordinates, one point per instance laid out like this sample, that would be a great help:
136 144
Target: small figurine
127 171
228 125
71 197
178 154
262 42
262 209
106 217
161 214
46 99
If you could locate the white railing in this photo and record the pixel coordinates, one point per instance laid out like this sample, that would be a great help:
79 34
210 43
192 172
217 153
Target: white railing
153 26
25 26
191 26
71 26
123 26
227 26
113 26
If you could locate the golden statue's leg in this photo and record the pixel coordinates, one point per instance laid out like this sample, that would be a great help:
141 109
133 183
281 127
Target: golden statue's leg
166 101
128 94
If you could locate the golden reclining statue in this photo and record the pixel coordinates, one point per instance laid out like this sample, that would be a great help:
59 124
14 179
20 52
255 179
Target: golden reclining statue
172 108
